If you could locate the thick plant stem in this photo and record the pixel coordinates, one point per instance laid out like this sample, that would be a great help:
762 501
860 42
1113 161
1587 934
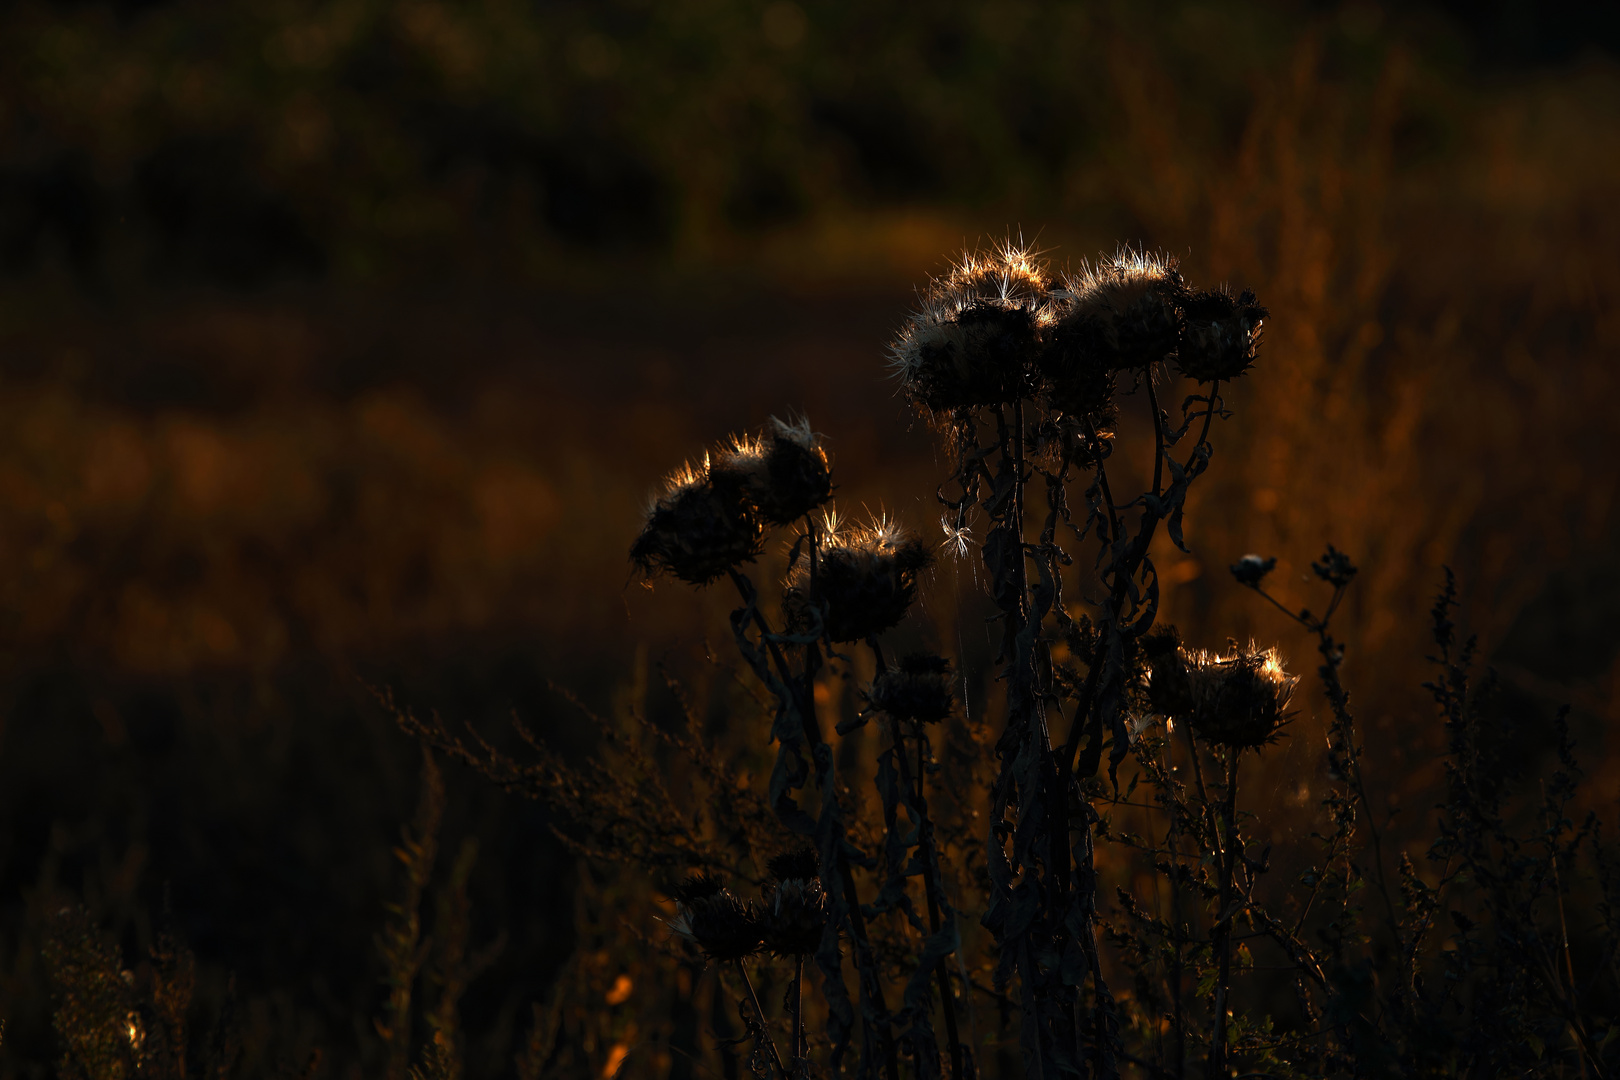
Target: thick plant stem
759 1017
1226 864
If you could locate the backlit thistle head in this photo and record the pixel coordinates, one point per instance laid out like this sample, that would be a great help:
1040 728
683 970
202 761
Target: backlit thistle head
700 527
1221 335
795 904
1240 700
973 341
1118 315
917 689
864 581
722 925
785 472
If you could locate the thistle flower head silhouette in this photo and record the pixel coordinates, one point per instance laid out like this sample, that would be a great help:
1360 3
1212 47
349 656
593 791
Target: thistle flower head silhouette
800 862
1239 700
785 472
721 925
973 341
863 583
917 689
795 904
1118 314
1221 335
701 526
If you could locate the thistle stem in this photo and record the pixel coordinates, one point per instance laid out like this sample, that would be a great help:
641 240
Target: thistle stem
759 1015
798 1009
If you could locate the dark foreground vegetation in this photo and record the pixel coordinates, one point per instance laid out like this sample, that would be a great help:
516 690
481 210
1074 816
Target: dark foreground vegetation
338 347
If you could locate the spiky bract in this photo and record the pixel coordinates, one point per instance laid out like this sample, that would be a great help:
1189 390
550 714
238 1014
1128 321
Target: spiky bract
917 689
785 472
703 525
1221 335
863 583
973 343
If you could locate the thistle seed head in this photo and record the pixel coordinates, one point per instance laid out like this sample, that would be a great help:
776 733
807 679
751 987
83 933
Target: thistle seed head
1121 314
1252 569
785 472
1221 335
973 342
864 581
795 916
696 887
801 862
720 924
1240 700
917 689
700 527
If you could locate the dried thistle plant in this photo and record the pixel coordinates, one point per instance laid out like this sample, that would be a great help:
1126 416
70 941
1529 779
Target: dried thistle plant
1210 966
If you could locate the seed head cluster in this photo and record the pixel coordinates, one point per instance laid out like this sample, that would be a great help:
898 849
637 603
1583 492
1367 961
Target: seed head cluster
864 581
997 327
1239 700
917 689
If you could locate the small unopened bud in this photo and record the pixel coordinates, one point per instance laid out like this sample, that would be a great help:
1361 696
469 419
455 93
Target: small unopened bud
917 689
1335 568
1221 334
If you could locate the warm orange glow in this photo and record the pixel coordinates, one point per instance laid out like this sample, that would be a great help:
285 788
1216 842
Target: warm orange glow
619 992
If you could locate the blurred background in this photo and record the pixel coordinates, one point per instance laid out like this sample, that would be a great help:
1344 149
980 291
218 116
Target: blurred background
341 341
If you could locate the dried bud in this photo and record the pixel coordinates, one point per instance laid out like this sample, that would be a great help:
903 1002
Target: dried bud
1121 314
974 341
1221 334
1251 569
865 579
1240 700
723 926
1335 568
703 525
918 689
785 473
